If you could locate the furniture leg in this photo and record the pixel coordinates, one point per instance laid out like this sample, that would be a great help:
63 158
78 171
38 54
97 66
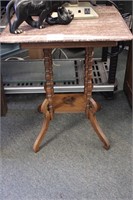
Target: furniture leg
47 106
91 106
49 85
45 110
92 117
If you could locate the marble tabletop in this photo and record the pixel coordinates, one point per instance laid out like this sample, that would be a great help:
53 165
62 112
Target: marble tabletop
109 26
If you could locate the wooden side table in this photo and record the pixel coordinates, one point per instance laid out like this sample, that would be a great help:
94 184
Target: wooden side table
105 31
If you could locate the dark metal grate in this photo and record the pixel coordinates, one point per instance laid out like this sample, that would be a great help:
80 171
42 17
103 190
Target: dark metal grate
28 76
3 21
100 72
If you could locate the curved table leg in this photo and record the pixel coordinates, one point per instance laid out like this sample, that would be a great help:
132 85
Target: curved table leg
44 109
39 108
93 107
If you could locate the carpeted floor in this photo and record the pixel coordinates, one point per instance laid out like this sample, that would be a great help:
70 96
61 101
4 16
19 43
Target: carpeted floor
71 165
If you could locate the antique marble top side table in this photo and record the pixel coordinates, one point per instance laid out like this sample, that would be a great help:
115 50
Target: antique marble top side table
105 31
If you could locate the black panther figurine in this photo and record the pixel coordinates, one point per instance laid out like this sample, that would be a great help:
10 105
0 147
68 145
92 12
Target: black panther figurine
25 9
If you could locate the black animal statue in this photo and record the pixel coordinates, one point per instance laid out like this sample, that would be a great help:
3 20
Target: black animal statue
63 17
26 9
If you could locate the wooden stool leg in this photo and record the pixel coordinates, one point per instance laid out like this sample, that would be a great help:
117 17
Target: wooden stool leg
92 117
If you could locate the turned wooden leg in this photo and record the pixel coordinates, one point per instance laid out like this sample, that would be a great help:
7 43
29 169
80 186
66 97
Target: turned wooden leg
92 117
49 85
91 106
47 106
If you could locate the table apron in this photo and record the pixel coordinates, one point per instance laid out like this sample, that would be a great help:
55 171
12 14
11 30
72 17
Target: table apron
49 45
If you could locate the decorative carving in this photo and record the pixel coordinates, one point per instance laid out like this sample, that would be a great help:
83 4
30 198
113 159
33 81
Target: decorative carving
88 75
49 85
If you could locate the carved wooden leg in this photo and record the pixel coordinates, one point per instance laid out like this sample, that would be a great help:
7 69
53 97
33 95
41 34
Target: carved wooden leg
45 110
91 106
91 115
39 108
98 106
49 85
47 106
